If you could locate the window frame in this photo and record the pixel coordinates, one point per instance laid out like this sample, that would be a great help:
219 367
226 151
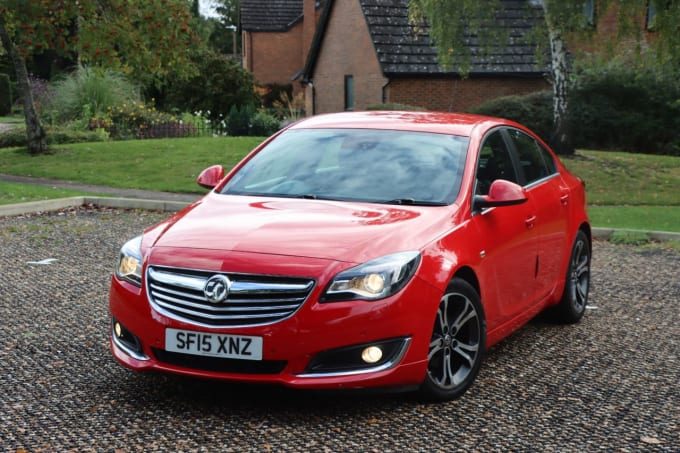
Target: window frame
349 92
590 13
511 154
551 168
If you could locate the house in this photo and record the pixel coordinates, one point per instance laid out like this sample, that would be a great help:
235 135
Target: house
276 36
366 52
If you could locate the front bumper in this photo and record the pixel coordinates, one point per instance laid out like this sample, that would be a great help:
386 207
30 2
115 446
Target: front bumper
317 347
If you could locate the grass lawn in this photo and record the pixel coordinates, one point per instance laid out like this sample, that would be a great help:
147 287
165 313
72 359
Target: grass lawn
625 190
615 178
656 218
170 165
11 193
633 191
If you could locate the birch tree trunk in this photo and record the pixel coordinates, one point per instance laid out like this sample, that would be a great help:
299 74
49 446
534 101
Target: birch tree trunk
560 138
35 133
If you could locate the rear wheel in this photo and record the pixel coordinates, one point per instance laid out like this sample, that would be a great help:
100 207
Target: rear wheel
457 343
575 297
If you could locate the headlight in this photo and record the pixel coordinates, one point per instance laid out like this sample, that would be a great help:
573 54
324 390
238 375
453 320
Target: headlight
374 280
130 262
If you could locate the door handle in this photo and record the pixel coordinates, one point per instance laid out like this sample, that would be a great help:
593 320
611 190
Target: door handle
564 199
530 221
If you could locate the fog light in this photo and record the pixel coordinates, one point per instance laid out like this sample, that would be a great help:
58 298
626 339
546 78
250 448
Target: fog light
371 354
126 341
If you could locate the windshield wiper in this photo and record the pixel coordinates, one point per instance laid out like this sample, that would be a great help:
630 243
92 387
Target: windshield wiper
413 202
409 201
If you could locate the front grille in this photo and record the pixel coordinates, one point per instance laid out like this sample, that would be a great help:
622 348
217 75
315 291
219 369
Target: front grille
218 364
252 299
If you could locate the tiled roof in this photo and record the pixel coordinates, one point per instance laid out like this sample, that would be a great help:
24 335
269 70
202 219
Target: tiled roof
402 52
270 15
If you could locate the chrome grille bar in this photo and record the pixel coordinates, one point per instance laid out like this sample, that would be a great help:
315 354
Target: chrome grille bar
252 300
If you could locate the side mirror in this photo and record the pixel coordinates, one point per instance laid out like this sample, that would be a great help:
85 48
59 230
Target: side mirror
501 193
210 177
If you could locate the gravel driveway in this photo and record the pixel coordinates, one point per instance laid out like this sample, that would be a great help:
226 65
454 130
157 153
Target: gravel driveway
610 383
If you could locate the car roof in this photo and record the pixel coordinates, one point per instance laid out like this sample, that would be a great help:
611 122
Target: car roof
460 124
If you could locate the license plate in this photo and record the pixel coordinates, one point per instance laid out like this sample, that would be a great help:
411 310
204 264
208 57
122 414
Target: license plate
213 344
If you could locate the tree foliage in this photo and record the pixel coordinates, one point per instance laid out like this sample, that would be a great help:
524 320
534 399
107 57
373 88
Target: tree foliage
143 39
220 84
146 40
225 27
451 21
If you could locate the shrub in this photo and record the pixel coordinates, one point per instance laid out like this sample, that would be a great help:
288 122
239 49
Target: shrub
55 136
62 136
617 107
137 120
289 109
274 92
5 95
612 106
533 110
264 124
13 137
89 91
219 84
239 120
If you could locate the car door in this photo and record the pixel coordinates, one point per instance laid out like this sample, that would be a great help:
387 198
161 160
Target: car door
509 246
549 197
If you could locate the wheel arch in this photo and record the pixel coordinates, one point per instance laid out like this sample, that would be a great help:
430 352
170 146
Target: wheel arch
468 274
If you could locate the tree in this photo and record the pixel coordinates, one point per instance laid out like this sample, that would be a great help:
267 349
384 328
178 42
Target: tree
224 37
220 84
452 21
145 40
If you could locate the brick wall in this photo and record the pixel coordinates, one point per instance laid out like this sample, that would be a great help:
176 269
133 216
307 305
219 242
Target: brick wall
458 95
274 57
605 39
347 50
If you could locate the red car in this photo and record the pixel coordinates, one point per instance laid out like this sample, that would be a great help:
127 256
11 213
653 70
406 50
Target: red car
358 250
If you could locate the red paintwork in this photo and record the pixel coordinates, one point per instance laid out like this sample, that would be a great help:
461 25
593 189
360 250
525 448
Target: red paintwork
319 239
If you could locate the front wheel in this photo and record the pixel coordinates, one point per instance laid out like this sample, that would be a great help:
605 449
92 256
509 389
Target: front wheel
457 343
572 306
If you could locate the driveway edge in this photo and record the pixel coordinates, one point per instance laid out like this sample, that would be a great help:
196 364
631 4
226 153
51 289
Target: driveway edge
106 202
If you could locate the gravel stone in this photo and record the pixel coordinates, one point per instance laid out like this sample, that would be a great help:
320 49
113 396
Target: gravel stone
609 383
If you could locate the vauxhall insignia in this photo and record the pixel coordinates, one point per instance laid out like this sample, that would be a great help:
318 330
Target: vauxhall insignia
216 289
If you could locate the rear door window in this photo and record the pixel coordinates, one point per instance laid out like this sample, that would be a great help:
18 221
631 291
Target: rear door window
535 161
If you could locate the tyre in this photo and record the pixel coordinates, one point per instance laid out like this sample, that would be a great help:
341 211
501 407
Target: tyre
457 343
572 306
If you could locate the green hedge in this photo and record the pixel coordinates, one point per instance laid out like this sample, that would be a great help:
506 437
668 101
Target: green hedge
631 112
608 110
533 110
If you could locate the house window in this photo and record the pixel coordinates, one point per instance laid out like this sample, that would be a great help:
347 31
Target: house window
349 92
651 12
589 12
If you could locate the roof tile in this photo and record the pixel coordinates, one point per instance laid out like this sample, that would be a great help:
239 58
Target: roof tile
402 52
270 15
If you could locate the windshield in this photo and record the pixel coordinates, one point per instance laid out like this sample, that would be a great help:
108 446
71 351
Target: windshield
377 166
